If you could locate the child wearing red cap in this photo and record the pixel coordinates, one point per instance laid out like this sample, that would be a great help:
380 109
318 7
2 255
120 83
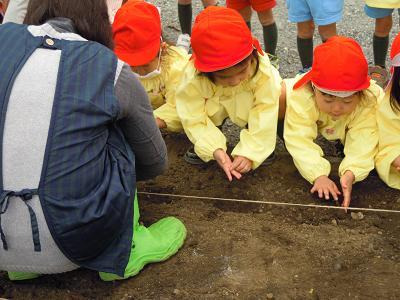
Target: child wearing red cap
338 100
381 11
138 42
228 76
388 159
265 15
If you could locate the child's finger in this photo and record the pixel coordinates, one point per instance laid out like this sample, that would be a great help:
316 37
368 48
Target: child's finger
227 171
333 193
236 174
346 199
320 193
241 167
326 193
236 162
335 188
313 189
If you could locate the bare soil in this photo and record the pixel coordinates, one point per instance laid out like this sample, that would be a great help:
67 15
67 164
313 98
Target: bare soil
251 251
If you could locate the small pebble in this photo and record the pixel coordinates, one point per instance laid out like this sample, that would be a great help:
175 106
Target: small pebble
270 296
357 216
380 232
338 266
334 222
176 292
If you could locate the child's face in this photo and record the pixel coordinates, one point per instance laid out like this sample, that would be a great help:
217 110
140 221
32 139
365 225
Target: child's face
233 75
336 106
147 68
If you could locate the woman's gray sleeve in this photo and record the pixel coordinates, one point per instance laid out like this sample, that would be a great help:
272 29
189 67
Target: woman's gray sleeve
139 127
16 11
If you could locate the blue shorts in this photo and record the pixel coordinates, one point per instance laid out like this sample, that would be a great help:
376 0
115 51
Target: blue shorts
322 12
377 13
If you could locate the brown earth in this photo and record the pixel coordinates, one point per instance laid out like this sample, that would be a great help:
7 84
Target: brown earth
251 251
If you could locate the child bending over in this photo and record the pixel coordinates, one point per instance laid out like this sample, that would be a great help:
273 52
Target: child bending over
228 76
338 100
159 66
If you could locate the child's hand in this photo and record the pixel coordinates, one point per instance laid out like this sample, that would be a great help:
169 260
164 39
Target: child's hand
160 123
224 161
347 181
396 163
242 164
324 186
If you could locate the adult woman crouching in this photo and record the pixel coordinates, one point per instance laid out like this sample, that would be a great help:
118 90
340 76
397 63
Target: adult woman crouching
77 131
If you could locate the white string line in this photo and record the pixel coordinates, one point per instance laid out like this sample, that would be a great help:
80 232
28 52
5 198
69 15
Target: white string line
269 202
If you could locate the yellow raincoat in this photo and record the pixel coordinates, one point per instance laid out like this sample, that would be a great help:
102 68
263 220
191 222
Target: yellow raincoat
389 143
357 131
383 3
202 106
161 89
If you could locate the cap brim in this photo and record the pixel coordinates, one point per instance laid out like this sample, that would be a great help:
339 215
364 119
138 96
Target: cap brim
206 68
303 80
139 58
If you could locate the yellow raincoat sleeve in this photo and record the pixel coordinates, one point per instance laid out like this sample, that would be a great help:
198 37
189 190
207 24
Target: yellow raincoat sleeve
301 130
167 112
389 143
191 107
361 141
259 139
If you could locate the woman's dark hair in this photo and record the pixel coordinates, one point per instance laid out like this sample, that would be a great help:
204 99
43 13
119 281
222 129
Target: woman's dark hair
253 55
395 90
90 17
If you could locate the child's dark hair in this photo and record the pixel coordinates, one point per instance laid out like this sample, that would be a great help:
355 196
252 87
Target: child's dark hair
253 55
395 90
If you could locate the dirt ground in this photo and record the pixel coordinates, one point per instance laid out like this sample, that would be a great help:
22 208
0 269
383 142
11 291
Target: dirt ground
254 251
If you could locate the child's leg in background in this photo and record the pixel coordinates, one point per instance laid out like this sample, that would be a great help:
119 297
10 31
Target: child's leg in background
207 3
185 13
300 13
305 45
327 31
266 17
383 25
243 7
185 16
325 15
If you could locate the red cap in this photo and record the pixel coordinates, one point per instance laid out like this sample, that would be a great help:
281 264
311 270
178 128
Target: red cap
137 33
221 39
395 51
339 65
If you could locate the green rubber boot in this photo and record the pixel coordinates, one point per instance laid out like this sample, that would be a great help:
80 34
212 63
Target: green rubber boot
150 245
17 276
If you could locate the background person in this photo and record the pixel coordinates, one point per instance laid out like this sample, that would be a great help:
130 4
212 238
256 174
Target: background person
381 11
306 13
265 15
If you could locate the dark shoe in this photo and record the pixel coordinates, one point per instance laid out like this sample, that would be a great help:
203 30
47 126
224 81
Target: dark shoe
192 158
